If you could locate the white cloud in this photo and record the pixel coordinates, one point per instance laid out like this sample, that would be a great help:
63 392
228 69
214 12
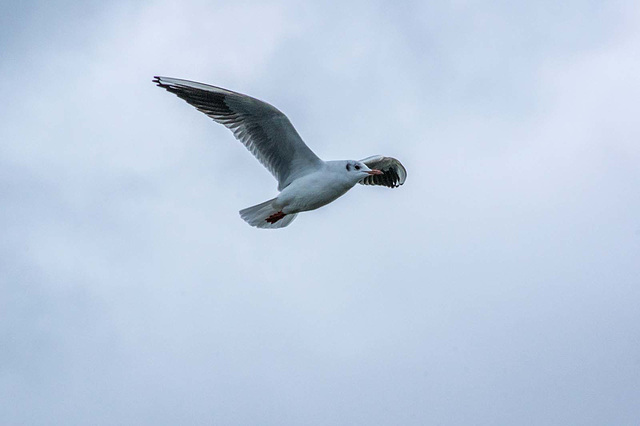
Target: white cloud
497 285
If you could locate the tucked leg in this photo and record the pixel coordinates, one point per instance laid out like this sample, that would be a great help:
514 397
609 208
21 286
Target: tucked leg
275 217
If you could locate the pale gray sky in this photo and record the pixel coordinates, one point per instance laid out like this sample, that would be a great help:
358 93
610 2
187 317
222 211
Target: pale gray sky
499 286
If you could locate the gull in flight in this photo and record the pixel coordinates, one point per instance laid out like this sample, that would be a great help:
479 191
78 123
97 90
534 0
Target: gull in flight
305 181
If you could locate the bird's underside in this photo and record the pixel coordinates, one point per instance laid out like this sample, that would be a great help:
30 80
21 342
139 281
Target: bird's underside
275 217
269 135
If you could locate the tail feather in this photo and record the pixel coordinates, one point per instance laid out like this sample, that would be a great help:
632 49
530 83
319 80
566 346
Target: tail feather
257 216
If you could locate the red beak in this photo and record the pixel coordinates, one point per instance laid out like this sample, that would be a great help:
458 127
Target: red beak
375 172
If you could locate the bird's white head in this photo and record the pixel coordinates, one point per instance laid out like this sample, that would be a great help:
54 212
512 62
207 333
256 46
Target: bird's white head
358 170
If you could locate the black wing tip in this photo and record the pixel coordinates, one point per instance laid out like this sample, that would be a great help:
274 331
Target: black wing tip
388 179
393 174
158 80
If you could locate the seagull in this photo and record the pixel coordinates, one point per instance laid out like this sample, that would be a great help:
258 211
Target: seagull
305 181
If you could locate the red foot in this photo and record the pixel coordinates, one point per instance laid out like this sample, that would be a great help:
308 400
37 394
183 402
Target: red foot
275 217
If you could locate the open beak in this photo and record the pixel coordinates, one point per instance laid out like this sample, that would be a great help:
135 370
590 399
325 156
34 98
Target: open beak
375 172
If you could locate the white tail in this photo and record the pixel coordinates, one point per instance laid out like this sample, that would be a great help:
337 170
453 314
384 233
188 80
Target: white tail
257 216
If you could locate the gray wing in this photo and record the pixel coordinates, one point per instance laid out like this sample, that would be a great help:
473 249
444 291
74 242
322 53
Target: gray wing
261 127
393 172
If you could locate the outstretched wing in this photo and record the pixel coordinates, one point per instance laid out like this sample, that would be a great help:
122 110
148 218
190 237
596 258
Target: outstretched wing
261 127
393 172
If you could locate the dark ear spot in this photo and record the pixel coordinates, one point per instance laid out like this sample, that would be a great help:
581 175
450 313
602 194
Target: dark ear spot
348 167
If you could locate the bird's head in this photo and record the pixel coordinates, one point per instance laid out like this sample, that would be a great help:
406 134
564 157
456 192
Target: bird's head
359 170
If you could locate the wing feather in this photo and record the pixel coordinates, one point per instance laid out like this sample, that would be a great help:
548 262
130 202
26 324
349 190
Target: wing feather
265 131
393 172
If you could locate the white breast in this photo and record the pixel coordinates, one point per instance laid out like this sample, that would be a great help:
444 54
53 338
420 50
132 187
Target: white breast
313 191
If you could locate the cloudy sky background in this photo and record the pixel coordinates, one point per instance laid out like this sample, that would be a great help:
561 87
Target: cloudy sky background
500 285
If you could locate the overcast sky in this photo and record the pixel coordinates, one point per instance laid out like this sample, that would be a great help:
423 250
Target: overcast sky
499 286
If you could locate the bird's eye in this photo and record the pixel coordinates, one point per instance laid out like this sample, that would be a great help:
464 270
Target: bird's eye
357 167
348 167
